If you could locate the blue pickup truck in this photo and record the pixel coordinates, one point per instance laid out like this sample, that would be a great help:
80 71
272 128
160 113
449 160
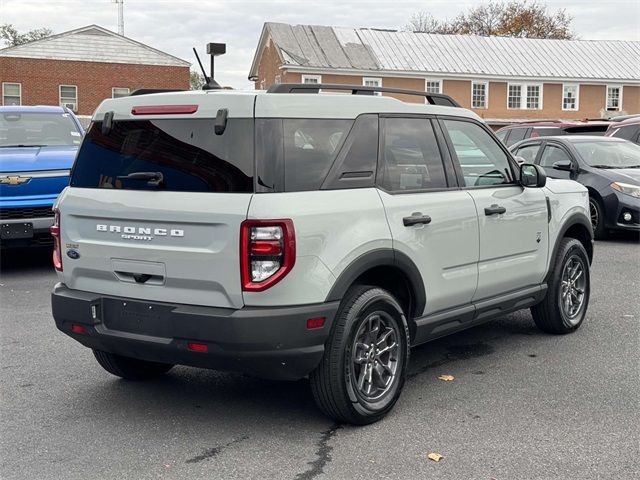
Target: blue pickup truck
37 148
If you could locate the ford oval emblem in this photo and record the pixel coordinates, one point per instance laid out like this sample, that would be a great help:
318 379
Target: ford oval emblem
74 254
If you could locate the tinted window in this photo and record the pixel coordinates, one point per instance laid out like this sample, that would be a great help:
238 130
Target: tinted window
553 154
517 134
310 147
27 129
411 158
502 135
188 154
528 152
545 132
482 160
628 133
355 165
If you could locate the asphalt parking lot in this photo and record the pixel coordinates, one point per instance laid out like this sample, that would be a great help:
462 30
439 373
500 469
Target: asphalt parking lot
523 404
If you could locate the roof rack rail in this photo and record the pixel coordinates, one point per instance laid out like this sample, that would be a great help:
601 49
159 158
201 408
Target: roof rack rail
432 98
539 121
148 91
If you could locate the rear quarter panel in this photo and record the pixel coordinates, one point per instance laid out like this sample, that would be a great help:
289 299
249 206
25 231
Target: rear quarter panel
332 228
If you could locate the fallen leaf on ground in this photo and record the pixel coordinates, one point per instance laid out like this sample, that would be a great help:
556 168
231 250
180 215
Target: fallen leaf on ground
446 378
434 456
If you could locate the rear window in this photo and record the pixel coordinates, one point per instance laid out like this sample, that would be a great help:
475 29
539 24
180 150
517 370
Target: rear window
187 154
296 154
31 129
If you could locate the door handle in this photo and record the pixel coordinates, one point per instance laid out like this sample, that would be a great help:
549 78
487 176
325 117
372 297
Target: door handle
494 209
416 218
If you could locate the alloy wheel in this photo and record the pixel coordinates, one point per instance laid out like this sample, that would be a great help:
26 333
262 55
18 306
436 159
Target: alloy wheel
572 288
375 356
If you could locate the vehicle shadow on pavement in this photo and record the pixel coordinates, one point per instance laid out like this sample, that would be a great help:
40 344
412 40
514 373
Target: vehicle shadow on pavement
25 260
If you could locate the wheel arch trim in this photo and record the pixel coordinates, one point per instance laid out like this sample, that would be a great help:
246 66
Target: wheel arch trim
382 257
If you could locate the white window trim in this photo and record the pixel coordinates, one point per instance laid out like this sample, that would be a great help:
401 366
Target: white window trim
60 95
312 77
577 85
376 79
439 80
486 95
606 98
523 95
113 91
19 89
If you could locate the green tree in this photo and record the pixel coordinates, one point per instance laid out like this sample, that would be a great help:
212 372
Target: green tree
12 37
514 18
196 80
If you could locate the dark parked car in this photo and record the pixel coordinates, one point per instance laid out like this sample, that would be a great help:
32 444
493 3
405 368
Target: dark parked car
629 129
609 167
514 133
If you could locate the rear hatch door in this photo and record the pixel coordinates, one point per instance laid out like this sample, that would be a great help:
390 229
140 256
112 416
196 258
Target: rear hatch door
156 202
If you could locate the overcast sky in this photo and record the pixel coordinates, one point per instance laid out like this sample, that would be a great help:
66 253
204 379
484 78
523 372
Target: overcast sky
175 26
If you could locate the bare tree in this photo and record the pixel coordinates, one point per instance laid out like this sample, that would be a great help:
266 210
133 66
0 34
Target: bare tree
514 18
422 22
12 37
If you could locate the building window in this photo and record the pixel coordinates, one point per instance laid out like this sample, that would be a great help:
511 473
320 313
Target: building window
372 82
479 94
533 97
524 96
311 78
11 93
569 97
433 86
118 92
614 98
514 96
69 97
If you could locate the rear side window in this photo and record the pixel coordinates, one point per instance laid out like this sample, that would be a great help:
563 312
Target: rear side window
187 153
295 155
630 132
546 132
411 158
502 135
517 134
481 159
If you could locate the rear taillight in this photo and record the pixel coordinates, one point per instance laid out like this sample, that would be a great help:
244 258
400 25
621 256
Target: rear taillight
267 252
57 247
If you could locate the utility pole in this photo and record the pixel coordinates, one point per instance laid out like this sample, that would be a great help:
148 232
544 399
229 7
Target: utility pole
120 4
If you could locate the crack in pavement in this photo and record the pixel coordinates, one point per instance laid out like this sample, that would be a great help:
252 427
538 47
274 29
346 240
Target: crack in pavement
323 453
213 452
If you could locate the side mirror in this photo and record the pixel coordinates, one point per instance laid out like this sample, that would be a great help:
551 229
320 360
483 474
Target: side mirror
520 160
565 165
532 175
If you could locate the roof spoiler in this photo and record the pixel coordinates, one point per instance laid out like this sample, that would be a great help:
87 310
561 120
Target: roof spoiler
148 91
432 98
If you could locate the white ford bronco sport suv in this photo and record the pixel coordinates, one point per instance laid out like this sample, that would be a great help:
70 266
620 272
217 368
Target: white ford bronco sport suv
291 233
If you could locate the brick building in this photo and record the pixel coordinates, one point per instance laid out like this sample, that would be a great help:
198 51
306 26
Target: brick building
82 67
502 79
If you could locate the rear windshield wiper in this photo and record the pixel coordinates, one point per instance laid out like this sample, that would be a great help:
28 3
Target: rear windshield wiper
154 179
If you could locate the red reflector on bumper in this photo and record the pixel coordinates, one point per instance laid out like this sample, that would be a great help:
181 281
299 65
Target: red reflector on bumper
78 329
198 347
315 323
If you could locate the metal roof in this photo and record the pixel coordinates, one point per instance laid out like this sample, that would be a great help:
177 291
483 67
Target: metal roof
93 44
310 47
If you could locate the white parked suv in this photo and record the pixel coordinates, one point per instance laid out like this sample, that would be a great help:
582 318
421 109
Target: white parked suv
291 233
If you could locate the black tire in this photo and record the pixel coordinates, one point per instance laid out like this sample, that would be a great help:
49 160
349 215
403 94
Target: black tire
130 368
552 315
335 382
596 211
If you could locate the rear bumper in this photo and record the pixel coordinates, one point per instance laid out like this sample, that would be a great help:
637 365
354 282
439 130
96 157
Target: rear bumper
267 342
